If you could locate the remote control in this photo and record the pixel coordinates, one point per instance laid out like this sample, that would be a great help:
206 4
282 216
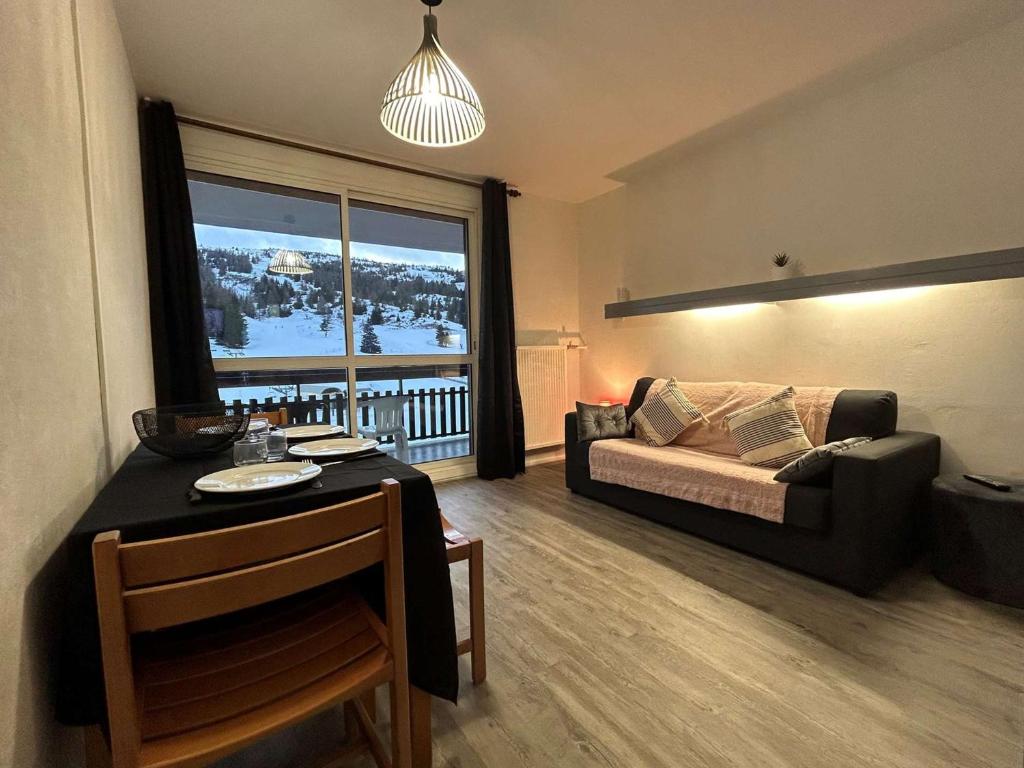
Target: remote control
989 482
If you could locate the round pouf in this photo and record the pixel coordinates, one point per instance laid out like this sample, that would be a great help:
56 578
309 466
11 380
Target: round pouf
977 538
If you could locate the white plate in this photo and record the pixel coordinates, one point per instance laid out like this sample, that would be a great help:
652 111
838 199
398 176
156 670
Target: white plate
311 430
338 446
257 477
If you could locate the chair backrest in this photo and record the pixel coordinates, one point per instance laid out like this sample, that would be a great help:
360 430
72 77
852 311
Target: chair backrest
152 585
387 412
276 418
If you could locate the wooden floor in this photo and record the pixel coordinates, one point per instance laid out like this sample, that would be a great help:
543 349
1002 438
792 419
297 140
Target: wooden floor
613 641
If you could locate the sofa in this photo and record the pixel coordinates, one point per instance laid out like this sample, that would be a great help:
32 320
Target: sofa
854 530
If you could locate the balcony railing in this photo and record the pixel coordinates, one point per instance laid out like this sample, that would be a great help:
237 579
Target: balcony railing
429 414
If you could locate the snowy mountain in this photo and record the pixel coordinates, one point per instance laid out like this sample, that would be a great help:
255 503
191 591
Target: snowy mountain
399 308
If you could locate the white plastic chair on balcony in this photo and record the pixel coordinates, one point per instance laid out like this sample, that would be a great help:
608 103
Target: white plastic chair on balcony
387 420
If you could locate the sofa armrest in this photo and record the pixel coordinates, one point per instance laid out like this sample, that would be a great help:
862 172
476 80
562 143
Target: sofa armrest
573 460
880 494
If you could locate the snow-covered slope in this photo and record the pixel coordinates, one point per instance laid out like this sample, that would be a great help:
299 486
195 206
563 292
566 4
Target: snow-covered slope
287 316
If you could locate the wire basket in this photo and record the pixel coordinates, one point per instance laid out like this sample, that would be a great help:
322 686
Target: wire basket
190 431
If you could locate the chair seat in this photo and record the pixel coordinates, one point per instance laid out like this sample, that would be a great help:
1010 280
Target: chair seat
208 688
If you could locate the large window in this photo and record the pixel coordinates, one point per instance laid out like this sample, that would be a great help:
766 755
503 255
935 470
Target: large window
375 326
251 311
408 281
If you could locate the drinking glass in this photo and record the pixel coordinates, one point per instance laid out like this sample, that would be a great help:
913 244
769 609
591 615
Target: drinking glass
277 445
250 450
258 427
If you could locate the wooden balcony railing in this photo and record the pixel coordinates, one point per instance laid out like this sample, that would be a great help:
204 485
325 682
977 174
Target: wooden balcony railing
429 414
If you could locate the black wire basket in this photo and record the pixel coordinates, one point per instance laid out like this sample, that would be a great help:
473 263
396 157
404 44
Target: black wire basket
190 431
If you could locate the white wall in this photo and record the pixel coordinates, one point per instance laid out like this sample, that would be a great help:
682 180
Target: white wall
53 211
924 162
545 265
115 189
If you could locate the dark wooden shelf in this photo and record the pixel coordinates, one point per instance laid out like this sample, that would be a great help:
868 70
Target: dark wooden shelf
967 268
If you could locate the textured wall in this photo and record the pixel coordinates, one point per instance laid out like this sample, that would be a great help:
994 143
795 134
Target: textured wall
115 187
545 267
54 455
923 162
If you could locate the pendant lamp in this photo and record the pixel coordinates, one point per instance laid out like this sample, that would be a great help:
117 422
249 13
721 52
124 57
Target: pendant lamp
430 102
289 263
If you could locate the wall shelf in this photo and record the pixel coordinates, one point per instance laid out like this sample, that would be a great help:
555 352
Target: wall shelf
966 268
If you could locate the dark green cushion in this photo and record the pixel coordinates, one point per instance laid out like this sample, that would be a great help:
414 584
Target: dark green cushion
596 422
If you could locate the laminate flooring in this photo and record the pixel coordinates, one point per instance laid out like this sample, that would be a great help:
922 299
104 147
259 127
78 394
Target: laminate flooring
614 641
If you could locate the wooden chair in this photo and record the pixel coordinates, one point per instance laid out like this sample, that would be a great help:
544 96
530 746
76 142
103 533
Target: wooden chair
187 695
278 418
461 547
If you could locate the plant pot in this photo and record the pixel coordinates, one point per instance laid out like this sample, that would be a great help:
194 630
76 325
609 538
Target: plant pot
786 272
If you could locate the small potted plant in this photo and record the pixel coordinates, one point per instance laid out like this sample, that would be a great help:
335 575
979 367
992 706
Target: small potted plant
783 266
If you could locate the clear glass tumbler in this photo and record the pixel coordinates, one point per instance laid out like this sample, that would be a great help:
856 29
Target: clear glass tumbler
277 445
258 426
250 450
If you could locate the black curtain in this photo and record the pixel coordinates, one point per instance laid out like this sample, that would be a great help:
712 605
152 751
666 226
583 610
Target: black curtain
501 442
182 366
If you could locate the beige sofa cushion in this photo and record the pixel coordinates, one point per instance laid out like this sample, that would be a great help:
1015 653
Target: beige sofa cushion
717 399
769 434
665 414
718 481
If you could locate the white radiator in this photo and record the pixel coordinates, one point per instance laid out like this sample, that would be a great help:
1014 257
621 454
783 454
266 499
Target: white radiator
542 384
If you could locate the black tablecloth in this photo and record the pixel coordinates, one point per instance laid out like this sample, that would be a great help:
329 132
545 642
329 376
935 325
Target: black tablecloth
147 498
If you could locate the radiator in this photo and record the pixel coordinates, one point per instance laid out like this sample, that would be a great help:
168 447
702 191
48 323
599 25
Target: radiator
542 383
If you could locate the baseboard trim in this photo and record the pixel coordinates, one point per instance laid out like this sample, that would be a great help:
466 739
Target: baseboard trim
460 469
546 456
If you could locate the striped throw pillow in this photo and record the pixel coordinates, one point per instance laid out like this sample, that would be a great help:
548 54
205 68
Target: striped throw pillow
664 414
769 434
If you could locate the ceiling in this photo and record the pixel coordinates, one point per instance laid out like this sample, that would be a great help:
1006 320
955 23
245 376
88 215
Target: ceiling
574 90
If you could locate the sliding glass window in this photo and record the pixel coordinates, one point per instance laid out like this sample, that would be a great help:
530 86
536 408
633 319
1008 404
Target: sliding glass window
409 292
275 265
252 310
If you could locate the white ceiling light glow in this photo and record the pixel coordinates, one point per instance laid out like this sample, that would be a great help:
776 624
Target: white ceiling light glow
430 102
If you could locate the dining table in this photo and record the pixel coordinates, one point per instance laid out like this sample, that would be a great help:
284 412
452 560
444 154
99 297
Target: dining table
152 496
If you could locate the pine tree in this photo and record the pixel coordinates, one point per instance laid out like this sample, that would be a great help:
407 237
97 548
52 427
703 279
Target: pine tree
370 344
247 306
298 303
325 324
377 315
236 331
441 335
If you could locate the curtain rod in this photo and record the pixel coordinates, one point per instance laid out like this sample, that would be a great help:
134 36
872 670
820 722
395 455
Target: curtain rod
512 191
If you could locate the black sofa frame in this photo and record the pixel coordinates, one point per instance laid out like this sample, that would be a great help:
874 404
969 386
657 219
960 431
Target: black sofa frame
880 493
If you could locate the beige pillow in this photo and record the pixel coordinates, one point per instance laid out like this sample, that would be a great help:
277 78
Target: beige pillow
718 399
664 414
769 433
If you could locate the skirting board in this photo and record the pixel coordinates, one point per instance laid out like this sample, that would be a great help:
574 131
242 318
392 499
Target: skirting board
966 268
460 469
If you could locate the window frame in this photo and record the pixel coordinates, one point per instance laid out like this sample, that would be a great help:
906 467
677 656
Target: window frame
250 160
